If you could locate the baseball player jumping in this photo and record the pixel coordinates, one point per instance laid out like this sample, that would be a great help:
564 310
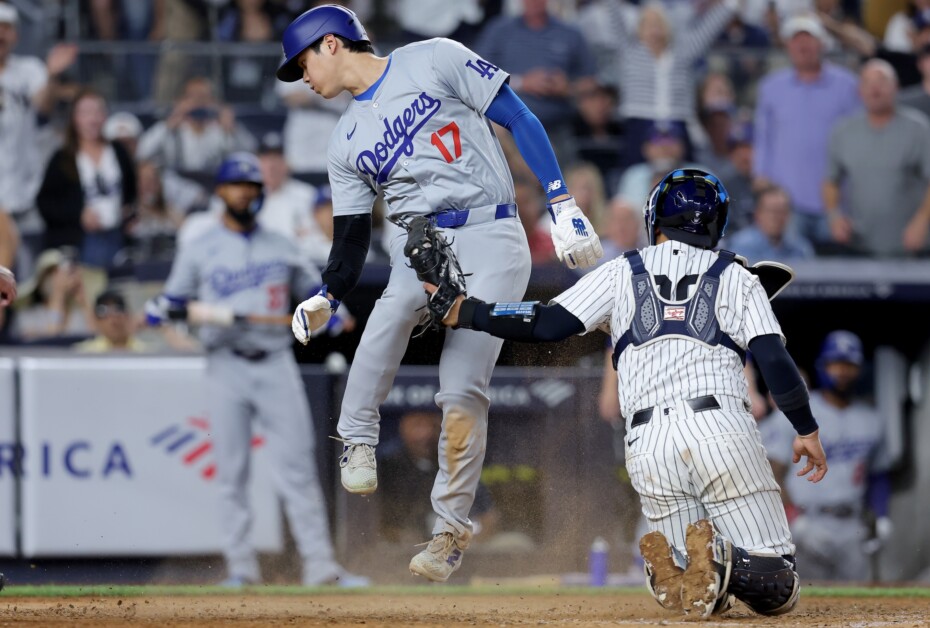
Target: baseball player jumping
418 130
238 268
681 318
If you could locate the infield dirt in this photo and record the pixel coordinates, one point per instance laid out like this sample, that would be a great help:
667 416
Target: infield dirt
377 610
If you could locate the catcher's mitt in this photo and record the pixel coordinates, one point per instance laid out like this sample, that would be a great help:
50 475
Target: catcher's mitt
434 262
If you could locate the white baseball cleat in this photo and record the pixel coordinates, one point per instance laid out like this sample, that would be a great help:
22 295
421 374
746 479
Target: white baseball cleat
442 556
705 580
358 468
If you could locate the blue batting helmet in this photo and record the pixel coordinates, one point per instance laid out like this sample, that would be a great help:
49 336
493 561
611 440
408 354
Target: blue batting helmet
838 346
688 205
242 167
310 26
239 167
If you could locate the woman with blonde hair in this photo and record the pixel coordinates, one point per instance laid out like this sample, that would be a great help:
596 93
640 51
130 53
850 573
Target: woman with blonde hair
586 183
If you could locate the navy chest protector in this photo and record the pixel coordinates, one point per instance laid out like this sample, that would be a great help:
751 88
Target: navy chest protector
695 318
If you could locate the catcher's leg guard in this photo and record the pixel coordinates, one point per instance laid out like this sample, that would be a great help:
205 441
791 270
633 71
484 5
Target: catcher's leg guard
767 584
704 583
663 573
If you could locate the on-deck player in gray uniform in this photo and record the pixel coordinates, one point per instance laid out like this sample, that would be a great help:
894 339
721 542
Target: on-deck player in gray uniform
419 131
241 268
830 530
681 318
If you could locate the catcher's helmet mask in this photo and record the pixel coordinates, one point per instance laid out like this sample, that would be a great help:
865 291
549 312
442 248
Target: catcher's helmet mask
688 205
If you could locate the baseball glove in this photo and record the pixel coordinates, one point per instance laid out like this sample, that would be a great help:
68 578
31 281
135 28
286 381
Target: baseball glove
432 258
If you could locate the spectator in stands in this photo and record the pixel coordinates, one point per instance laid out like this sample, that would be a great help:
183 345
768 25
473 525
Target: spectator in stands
736 174
408 469
549 62
154 222
918 96
534 218
424 19
664 150
796 111
599 21
768 238
26 90
53 302
879 171
623 230
114 325
828 522
125 128
587 186
657 73
179 21
310 122
249 77
289 203
198 134
900 31
717 111
598 132
89 185
180 194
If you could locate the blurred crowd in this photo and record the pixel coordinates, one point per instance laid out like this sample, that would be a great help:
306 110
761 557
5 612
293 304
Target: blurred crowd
814 113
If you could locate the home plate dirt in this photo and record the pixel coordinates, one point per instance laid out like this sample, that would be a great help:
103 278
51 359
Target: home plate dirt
389 610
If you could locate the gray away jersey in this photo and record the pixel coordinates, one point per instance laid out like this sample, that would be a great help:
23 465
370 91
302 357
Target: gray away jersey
853 439
251 274
423 137
673 367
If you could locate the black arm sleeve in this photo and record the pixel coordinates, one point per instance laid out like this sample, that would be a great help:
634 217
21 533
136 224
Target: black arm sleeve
782 377
549 323
351 239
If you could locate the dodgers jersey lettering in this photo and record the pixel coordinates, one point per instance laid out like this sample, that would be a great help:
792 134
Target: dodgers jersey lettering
255 273
422 138
854 441
673 367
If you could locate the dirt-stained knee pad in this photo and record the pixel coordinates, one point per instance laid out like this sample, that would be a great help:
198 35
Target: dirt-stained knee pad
459 426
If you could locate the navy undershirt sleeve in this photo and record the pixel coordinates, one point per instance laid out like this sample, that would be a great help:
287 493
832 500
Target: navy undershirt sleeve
511 113
351 239
550 323
782 377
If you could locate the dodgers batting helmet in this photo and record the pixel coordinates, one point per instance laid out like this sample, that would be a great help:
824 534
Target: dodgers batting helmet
688 205
838 346
312 25
241 167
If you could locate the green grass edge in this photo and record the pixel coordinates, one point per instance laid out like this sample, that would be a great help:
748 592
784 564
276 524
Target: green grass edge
53 591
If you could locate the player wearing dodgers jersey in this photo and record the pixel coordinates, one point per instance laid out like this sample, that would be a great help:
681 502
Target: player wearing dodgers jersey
419 130
251 372
829 527
681 318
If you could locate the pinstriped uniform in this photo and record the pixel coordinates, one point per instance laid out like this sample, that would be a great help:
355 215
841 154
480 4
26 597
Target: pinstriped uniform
688 465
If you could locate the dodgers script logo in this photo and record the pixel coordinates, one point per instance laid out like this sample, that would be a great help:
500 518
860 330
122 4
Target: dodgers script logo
398 137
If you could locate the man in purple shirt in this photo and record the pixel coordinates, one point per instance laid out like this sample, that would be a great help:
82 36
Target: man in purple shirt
797 108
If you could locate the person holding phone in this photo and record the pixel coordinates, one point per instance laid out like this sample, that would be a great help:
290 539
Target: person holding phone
198 134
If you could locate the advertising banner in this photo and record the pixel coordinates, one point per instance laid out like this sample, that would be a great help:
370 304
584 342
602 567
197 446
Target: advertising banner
118 460
8 458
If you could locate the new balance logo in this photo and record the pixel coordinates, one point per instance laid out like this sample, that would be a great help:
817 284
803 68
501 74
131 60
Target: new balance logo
454 557
554 185
580 229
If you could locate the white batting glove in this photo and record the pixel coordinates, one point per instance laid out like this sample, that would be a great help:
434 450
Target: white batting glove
574 239
310 317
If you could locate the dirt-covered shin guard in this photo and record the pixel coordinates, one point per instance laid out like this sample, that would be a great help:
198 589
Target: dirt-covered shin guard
767 584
